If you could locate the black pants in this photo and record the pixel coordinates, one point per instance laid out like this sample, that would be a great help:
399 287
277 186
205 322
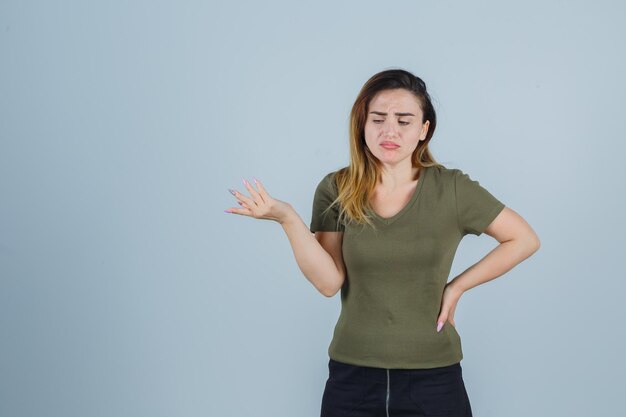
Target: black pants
363 391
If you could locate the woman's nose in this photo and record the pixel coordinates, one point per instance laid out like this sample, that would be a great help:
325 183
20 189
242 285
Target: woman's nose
389 127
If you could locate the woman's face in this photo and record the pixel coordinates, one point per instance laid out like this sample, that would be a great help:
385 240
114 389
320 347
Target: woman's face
394 125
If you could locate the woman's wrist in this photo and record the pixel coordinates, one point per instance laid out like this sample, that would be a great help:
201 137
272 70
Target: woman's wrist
456 287
286 214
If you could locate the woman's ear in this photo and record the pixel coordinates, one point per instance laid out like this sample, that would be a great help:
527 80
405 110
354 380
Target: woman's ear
425 130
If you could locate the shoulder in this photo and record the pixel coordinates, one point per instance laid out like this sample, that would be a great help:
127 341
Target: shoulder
443 174
330 178
328 184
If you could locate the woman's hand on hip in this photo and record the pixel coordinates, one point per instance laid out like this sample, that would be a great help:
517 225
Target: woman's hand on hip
449 300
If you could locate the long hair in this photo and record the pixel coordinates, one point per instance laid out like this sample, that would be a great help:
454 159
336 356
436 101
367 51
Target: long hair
356 183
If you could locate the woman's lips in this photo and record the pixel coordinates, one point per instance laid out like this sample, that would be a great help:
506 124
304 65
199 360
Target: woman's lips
389 145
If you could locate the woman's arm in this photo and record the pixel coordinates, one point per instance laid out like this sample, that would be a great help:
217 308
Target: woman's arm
518 241
318 256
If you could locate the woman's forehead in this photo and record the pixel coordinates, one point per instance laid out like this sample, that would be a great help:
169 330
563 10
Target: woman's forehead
395 100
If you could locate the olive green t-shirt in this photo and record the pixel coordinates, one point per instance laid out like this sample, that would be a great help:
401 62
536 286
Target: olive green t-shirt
396 274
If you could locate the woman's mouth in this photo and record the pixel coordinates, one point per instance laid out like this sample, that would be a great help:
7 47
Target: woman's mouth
389 145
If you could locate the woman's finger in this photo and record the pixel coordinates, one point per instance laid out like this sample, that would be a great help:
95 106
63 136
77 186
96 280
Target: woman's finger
241 211
441 320
255 195
262 191
451 315
242 197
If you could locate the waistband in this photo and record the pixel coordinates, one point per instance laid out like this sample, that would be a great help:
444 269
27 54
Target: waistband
382 374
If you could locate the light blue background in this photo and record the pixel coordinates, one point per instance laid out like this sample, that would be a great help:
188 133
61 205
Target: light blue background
126 290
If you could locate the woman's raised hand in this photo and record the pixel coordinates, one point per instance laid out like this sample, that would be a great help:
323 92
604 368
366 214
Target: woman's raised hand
260 205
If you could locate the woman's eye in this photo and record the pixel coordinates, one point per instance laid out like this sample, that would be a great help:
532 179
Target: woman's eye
402 123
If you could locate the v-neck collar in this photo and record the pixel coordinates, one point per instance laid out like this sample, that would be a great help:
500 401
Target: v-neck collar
418 187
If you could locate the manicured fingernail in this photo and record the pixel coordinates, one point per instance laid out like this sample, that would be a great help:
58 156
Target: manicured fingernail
227 211
439 326
232 192
255 181
244 181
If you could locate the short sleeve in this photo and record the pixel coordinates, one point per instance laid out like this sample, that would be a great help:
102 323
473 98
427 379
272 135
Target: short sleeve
325 194
476 207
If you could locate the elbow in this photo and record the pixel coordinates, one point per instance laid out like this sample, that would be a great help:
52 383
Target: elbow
328 292
536 243
331 289
533 244
526 245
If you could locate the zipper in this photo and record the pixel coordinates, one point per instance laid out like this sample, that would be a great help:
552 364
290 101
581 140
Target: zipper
387 401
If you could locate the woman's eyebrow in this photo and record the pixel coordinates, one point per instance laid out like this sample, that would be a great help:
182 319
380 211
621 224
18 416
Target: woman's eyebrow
380 113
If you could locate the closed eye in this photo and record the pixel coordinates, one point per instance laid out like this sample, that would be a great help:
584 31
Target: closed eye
402 123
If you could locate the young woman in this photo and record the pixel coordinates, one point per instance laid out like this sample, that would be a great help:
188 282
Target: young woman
386 229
